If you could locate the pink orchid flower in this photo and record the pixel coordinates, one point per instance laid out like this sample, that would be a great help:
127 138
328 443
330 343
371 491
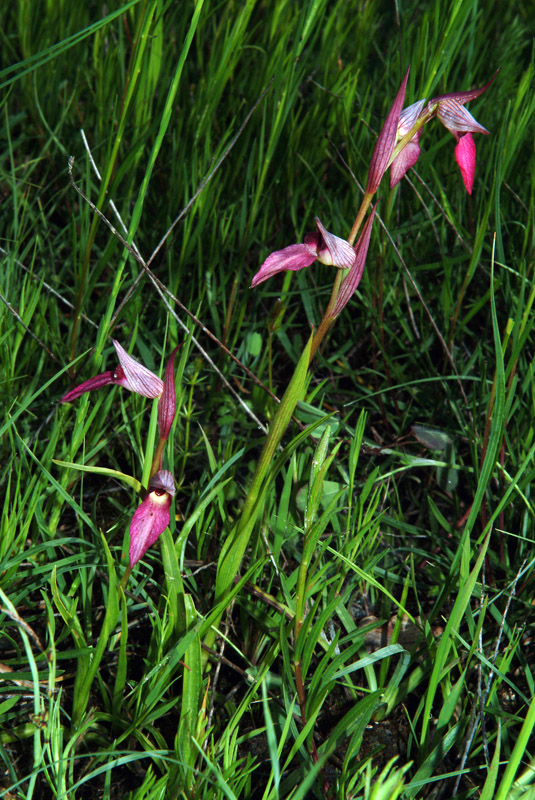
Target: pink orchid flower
134 376
152 517
319 246
130 374
450 110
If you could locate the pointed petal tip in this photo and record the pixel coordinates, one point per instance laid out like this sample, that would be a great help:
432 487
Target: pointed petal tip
464 97
103 379
138 378
386 141
294 257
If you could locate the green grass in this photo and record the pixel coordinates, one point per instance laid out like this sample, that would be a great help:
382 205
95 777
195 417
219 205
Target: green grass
253 679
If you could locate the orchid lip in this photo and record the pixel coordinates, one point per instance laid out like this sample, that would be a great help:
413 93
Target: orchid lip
152 517
320 245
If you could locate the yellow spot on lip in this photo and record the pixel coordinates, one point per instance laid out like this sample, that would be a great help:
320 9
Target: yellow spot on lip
157 497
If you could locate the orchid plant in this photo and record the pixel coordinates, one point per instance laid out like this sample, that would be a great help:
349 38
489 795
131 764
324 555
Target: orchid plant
152 516
397 148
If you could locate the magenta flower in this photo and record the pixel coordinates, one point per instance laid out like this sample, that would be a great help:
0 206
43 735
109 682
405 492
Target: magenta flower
152 517
319 246
130 374
450 110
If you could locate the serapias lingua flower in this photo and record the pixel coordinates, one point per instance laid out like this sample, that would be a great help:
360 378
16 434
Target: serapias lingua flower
450 110
130 374
319 246
152 517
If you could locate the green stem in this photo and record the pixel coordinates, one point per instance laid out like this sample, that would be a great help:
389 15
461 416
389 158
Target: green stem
124 580
236 543
85 680
157 460
364 206
300 602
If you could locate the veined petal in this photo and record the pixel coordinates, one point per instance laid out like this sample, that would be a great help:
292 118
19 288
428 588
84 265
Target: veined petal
137 378
103 379
463 97
465 156
457 119
408 117
163 481
354 276
386 141
293 257
406 159
333 251
152 517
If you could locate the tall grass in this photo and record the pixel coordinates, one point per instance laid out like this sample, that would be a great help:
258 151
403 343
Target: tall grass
376 641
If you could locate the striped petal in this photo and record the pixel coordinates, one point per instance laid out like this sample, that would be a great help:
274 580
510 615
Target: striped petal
293 257
136 377
332 250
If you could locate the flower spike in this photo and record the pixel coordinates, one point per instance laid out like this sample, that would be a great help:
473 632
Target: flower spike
319 246
449 109
152 517
130 374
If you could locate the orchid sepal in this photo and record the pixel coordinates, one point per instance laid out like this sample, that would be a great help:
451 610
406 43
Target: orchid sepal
386 141
130 374
167 401
354 276
321 245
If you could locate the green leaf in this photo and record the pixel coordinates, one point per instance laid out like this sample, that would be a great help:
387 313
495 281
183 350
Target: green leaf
113 473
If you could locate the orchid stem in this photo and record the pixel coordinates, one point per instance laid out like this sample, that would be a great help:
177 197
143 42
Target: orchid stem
124 580
364 206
